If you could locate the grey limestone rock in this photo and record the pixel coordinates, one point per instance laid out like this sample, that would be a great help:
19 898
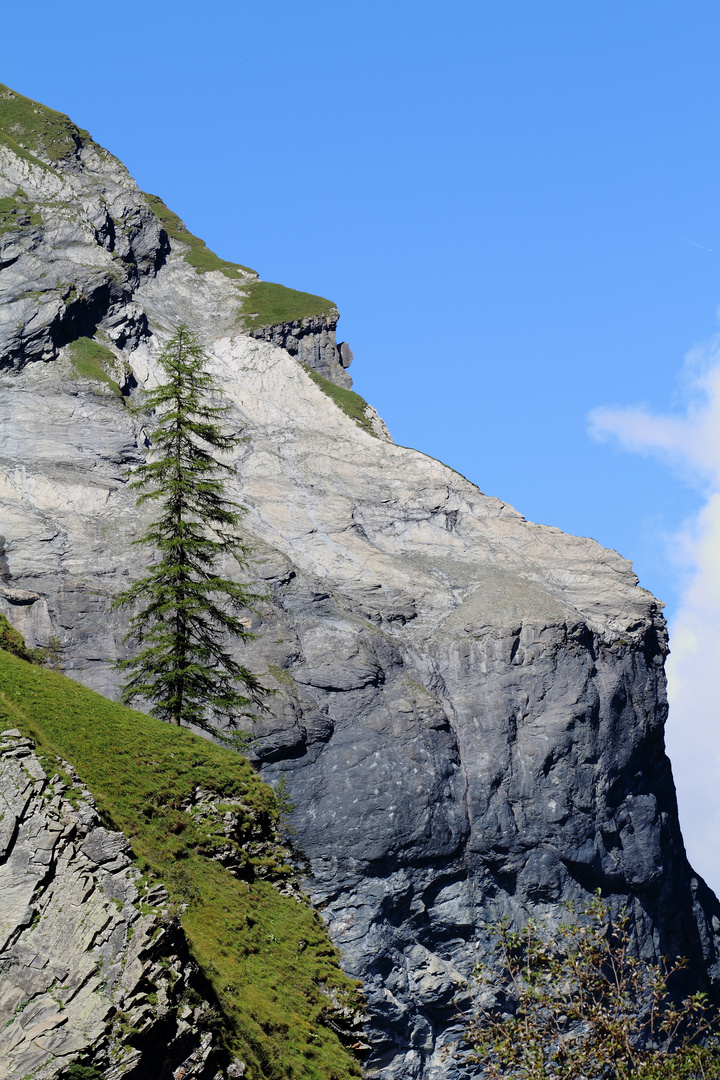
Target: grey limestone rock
470 707
346 354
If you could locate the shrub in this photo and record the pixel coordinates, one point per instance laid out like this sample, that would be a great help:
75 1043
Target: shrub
575 1001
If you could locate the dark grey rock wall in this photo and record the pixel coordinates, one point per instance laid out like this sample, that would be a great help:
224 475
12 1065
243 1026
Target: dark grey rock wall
312 342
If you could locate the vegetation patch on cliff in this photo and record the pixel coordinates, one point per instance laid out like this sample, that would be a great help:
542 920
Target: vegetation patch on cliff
26 125
17 212
267 956
200 256
347 400
91 360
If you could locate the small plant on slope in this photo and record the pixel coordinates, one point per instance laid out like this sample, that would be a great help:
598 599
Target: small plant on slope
187 610
575 1003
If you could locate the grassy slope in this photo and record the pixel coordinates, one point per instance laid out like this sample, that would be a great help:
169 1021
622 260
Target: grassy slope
347 400
89 359
200 256
30 128
264 954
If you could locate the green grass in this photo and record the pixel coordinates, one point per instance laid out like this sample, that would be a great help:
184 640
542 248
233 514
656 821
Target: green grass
35 129
200 256
347 400
13 641
17 212
264 955
272 304
89 359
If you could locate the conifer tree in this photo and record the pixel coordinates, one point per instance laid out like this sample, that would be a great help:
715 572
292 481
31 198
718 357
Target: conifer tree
187 610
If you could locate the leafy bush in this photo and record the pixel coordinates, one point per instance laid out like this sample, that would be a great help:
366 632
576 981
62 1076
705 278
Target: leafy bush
575 1002
81 1072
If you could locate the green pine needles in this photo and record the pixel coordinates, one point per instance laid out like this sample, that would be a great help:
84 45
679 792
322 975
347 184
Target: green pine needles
187 611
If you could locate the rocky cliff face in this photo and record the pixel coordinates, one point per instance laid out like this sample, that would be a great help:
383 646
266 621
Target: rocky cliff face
312 342
470 707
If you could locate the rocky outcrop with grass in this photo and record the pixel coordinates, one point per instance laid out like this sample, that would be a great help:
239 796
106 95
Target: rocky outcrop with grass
78 239
470 707
312 341
94 967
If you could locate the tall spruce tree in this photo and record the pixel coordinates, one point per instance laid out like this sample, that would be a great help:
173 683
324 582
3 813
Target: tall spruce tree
187 610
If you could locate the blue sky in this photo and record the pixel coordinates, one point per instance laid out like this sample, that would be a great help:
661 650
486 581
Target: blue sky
514 205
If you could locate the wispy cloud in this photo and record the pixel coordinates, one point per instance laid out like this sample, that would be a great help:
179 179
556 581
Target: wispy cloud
689 442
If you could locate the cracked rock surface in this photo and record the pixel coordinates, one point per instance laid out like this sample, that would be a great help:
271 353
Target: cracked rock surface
85 955
470 707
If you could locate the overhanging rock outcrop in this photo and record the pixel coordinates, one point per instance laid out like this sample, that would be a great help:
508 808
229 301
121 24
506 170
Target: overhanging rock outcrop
470 707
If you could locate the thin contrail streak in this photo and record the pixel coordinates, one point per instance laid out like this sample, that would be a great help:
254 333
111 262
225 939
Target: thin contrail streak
684 240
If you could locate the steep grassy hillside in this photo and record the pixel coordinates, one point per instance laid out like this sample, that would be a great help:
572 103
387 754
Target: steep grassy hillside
347 400
266 956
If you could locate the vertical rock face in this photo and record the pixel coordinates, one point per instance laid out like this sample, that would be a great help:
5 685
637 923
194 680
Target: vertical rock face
312 342
83 957
469 709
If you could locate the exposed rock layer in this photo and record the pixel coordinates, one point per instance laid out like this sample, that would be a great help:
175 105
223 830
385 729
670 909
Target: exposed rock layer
312 342
470 707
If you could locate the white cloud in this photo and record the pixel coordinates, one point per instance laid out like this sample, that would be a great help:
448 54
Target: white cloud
690 443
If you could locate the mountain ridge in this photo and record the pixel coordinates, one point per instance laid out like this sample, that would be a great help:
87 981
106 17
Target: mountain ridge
470 707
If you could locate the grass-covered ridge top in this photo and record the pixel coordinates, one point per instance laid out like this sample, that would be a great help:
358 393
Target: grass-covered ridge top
266 955
47 137
268 304
200 256
31 129
263 302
